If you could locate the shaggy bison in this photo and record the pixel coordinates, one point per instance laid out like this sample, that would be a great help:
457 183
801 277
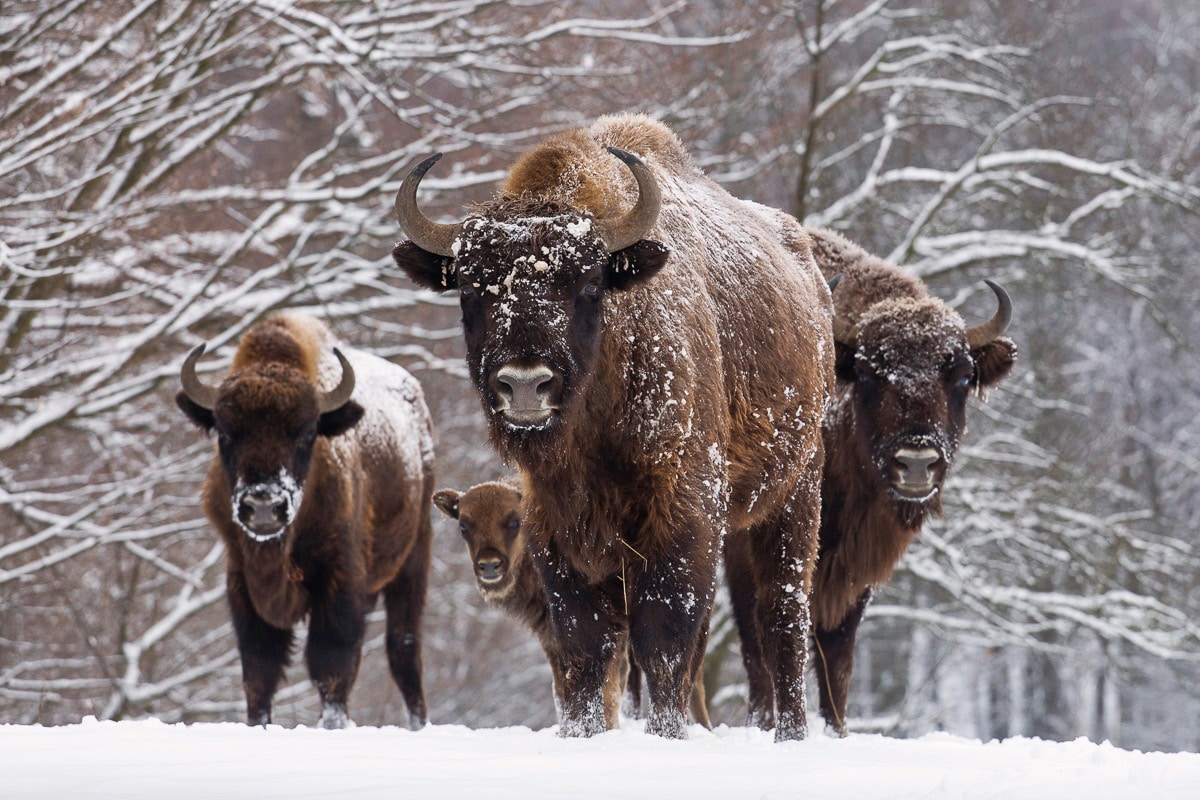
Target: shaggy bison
320 490
656 357
905 365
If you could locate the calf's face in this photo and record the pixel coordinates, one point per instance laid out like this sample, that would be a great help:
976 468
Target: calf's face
489 518
267 418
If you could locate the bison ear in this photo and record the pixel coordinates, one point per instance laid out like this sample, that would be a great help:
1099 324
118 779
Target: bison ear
993 362
341 419
425 268
447 501
203 417
636 264
843 362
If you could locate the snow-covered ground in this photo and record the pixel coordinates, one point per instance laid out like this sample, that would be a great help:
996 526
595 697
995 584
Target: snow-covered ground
150 759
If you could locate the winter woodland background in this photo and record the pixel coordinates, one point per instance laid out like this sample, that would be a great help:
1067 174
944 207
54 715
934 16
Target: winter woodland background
171 171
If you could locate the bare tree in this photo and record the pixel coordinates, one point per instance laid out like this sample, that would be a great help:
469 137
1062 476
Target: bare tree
172 172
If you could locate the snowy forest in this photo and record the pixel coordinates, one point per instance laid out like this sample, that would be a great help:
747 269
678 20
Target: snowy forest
173 171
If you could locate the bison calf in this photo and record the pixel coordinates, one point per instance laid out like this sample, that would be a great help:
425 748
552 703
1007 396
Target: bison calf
320 489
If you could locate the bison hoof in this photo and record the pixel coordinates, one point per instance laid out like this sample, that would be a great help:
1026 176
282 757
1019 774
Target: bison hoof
581 728
763 720
668 726
333 717
791 728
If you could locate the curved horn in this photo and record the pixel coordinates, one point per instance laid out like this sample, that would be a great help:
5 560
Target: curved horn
834 281
199 393
337 398
435 237
619 233
988 331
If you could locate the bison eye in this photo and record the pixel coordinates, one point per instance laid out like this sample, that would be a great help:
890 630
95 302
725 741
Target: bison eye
466 290
960 379
513 525
591 289
464 528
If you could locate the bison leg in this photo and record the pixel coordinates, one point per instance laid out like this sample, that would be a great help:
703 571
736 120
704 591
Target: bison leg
697 699
739 576
334 652
783 554
612 688
404 599
671 606
588 632
557 677
265 651
631 705
835 664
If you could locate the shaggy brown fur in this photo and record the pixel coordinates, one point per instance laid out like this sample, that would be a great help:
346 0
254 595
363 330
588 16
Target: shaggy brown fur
682 400
352 487
489 518
904 372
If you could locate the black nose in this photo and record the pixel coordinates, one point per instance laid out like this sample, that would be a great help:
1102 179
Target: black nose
916 466
490 569
525 388
263 510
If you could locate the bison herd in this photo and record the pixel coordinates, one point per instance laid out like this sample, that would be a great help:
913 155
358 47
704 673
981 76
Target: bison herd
676 377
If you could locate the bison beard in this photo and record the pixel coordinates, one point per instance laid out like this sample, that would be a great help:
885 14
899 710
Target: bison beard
323 504
653 402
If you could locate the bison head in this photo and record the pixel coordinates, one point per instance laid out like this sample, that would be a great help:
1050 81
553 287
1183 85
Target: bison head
267 417
532 276
489 517
911 364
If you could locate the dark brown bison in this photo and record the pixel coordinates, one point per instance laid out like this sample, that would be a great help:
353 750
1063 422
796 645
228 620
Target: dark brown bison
655 355
905 365
320 490
489 518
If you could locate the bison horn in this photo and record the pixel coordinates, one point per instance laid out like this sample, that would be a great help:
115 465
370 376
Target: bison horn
619 233
330 401
434 237
200 394
983 334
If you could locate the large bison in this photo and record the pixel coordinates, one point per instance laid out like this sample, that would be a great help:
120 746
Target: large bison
320 489
656 357
905 366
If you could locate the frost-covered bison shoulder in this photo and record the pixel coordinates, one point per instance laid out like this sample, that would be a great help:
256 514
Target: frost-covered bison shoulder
655 356
320 489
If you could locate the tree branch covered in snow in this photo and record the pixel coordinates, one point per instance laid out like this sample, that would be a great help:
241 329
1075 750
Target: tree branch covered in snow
174 171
